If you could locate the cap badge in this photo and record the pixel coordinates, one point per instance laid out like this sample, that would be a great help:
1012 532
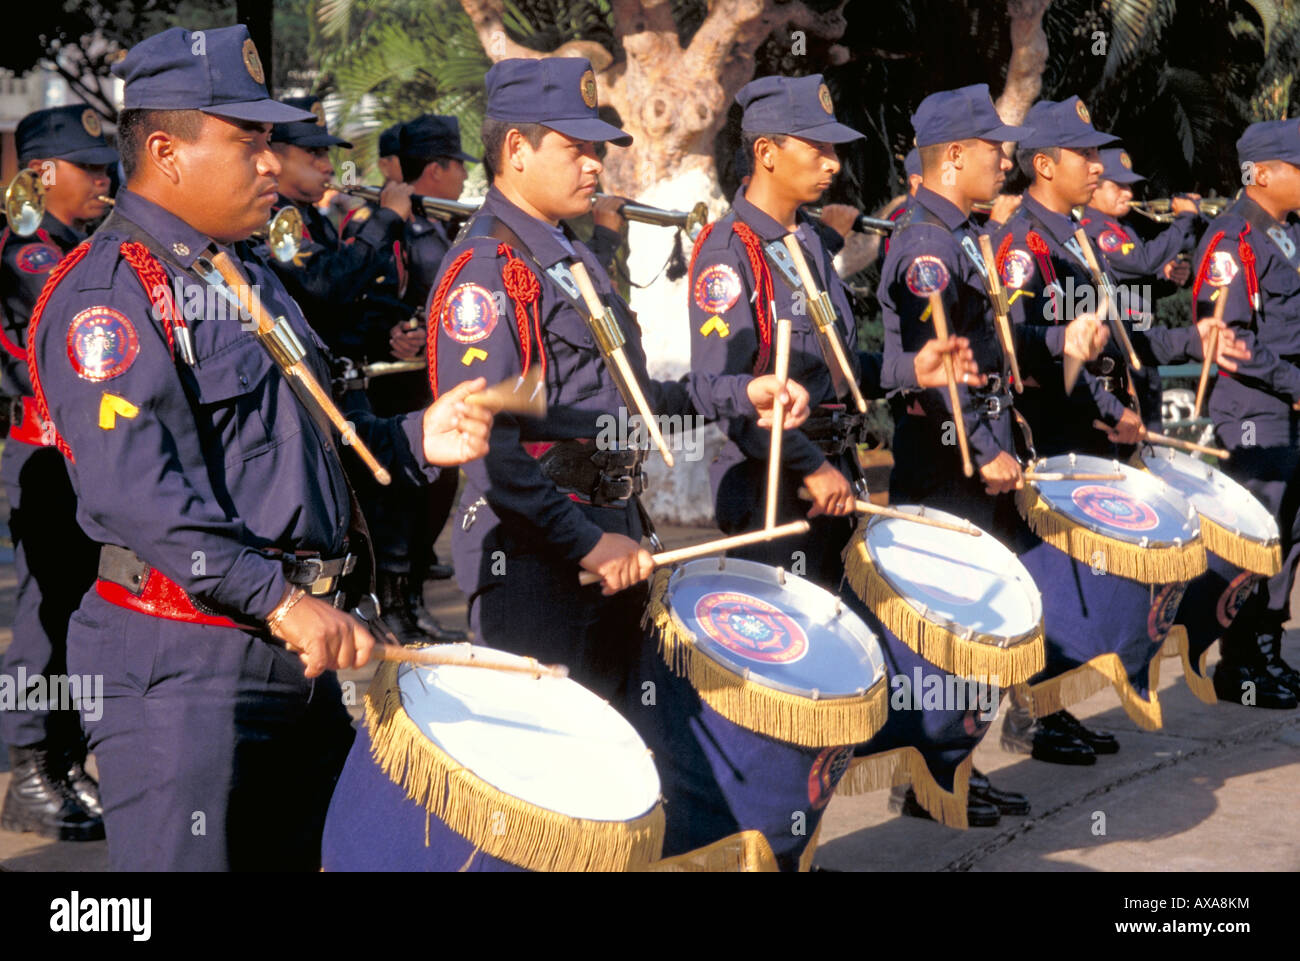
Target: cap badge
318 108
824 98
588 87
1082 111
1125 160
90 122
253 62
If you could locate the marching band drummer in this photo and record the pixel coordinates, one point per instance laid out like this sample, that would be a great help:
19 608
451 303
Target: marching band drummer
552 497
1249 255
789 136
217 495
50 792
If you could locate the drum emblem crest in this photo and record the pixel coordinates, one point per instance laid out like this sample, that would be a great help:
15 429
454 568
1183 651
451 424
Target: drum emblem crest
1163 611
827 769
1233 596
752 628
1114 508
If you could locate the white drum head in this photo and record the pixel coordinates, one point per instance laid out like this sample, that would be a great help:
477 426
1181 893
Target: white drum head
957 581
1213 494
547 741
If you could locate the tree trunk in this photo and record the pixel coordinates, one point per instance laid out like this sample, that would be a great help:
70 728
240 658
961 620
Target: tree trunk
1028 59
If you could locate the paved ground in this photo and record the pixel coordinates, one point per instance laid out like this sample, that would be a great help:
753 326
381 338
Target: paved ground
1214 790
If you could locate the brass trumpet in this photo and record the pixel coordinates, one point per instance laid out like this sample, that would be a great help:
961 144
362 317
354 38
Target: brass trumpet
105 199
1161 209
691 221
25 203
864 224
283 234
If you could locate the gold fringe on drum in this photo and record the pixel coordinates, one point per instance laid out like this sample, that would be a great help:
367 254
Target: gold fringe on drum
941 646
1082 682
1148 565
500 825
1240 551
828 722
906 765
747 851
1176 644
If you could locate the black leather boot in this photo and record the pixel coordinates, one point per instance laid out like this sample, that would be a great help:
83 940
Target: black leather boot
979 813
431 626
41 802
1021 734
1007 802
1234 679
85 787
395 608
1101 742
1270 649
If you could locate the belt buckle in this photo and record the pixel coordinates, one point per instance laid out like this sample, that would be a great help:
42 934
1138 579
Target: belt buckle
307 563
994 385
995 407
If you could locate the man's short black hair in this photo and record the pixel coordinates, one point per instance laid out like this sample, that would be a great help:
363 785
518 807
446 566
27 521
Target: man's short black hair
747 141
413 164
135 126
1025 159
493 134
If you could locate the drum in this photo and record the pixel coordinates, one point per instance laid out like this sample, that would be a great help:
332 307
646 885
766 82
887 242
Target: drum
1241 537
462 768
756 688
959 618
1112 560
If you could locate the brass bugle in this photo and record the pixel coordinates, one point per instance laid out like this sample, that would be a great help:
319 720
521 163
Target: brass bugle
106 199
25 203
864 224
1161 210
691 221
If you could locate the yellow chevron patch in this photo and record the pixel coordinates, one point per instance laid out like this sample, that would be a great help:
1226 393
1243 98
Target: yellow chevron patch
111 407
715 323
472 354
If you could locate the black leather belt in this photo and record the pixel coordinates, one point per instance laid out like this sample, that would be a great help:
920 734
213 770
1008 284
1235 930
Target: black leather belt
833 429
589 474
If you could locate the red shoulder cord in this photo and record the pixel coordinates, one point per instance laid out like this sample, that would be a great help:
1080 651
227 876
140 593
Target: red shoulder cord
762 282
1203 271
56 276
154 281
1247 255
1004 249
522 287
1038 246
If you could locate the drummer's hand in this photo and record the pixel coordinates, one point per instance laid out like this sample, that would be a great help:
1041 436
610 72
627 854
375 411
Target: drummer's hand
1085 336
1129 430
456 432
1002 474
831 492
928 363
762 393
1230 349
325 638
620 562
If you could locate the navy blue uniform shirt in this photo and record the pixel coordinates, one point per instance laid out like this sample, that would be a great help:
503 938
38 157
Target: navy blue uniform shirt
24 265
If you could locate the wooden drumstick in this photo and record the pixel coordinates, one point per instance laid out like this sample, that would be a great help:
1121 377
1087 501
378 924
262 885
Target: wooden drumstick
514 395
252 305
464 655
1116 322
618 357
1211 352
958 415
722 544
998 295
866 507
783 327
830 331
1165 440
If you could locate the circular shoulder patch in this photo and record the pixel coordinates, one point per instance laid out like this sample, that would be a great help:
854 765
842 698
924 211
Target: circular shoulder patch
1223 269
470 314
588 87
1082 111
1110 241
1017 269
824 98
252 62
717 288
90 122
926 275
38 258
102 344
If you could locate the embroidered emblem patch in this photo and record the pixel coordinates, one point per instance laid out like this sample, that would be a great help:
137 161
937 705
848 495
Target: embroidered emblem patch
1017 269
926 275
252 62
717 288
1163 611
1114 507
1082 111
470 314
90 122
38 258
827 769
1223 269
751 627
588 87
824 98
1110 241
1125 161
102 344
1234 596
